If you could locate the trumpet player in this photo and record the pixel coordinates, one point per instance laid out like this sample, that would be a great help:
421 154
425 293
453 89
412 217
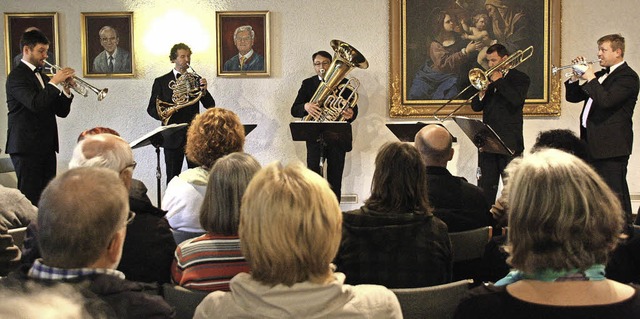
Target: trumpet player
34 101
332 147
180 56
501 104
609 96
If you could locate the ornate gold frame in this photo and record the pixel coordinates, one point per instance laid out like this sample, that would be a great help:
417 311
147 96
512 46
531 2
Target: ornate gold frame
400 107
226 24
90 24
12 37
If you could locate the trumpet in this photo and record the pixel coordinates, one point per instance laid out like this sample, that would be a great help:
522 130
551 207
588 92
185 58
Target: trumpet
555 69
80 86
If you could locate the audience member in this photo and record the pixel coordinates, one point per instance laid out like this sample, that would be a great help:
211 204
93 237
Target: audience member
461 205
394 240
83 216
559 239
149 245
212 134
9 253
208 262
59 301
564 140
15 209
289 231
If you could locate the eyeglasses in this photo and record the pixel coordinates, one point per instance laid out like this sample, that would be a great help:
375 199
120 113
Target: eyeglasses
132 166
244 39
130 217
108 39
321 63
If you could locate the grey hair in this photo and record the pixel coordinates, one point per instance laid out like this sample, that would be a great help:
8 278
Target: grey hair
102 150
107 27
228 179
242 29
78 214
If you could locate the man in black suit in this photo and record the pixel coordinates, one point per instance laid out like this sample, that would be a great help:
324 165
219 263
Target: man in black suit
501 102
333 148
34 101
180 55
606 121
461 205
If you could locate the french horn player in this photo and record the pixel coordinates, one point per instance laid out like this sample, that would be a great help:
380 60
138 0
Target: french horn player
328 96
176 98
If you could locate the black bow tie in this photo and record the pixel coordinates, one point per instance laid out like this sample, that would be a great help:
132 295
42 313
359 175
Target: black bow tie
606 70
38 69
178 75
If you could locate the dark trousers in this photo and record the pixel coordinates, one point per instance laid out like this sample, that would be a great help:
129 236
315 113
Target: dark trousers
335 163
34 171
173 159
614 172
491 167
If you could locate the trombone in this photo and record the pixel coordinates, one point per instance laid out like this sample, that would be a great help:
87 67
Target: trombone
81 86
480 79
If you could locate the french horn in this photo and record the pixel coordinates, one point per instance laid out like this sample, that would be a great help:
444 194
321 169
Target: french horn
186 91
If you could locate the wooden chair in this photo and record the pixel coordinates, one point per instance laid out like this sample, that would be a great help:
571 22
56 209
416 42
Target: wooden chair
469 245
183 300
18 235
438 302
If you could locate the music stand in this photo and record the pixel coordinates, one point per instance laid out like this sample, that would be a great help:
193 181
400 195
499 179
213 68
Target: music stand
313 132
248 128
406 131
482 136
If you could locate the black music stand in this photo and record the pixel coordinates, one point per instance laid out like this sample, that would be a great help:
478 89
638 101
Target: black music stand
406 131
248 128
157 138
482 136
314 132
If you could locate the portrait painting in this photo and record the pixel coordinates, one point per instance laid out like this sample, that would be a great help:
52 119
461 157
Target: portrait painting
435 43
243 43
18 23
107 44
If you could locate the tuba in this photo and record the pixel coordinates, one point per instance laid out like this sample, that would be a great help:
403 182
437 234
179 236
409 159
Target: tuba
186 91
480 79
330 93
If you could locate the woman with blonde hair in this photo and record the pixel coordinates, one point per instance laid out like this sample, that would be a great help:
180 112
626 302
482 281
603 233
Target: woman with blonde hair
290 224
564 221
208 262
212 134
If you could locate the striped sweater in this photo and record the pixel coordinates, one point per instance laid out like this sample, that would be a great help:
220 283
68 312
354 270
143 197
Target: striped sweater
208 262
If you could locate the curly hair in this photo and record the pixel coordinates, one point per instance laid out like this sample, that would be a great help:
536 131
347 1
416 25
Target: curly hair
213 134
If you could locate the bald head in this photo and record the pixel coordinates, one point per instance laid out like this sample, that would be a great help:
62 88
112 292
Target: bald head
434 144
104 150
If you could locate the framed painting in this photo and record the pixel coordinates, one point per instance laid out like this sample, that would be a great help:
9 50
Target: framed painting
107 44
15 24
435 43
243 43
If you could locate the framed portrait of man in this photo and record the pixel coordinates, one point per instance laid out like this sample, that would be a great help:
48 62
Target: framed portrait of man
434 44
243 43
18 23
107 44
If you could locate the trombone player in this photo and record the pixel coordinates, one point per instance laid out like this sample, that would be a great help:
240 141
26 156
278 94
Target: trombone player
609 97
34 101
501 102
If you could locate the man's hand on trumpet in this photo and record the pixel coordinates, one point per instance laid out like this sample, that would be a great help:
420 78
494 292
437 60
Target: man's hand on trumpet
64 77
582 70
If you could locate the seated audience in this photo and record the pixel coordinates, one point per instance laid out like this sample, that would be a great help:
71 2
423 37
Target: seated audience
9 253
461 205
82 217
59 301
149 245
559 240
289 231
15 209
394 240
212 134
208 262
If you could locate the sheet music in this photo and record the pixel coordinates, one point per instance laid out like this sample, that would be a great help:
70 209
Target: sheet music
145 140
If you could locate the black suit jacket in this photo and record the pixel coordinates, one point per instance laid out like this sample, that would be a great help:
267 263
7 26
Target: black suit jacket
502 108
32 126
609 131
305 93
162 91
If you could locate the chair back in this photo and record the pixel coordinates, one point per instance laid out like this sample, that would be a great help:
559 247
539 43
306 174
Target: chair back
8 176
179 236
183 300
469 244
18 235
438 302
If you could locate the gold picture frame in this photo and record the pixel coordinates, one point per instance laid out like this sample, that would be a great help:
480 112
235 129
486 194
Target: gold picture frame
228 59
410 56
15 24
103 32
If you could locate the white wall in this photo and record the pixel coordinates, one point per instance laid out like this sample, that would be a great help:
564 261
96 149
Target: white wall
298 28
